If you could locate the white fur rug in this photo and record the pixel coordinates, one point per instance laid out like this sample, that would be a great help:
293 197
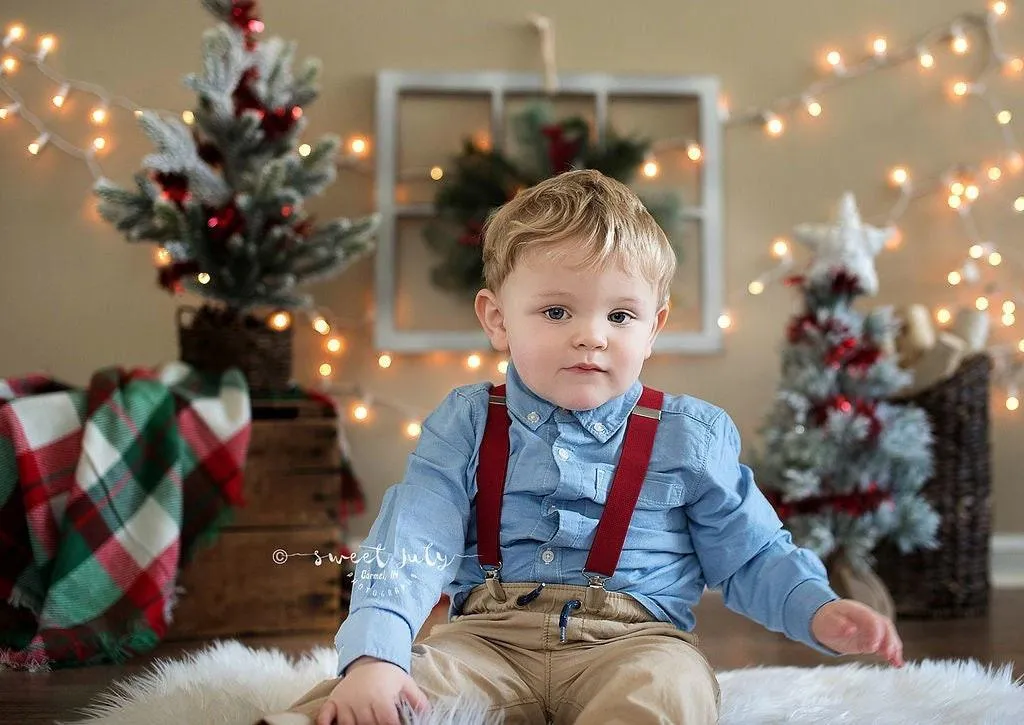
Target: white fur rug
230 684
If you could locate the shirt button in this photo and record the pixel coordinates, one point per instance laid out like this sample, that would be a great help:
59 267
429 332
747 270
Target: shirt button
532 416
563 454
599 427
548 556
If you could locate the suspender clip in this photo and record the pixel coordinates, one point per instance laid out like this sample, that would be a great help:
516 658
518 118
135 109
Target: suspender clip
596 580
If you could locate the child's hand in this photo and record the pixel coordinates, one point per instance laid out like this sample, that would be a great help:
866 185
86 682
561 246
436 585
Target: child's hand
368 694
850 627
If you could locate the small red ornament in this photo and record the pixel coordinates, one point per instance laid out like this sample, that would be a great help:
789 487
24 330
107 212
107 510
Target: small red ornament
562 152
225 222
286 211
279 121
794 280
169 277
473 235
174 186
844 283
863 359
243 15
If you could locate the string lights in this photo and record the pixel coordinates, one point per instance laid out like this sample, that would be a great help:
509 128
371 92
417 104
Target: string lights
960 185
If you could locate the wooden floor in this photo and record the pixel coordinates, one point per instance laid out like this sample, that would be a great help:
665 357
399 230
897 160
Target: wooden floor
730 641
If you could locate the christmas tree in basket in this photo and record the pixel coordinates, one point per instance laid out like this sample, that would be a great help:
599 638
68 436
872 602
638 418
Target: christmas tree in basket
843 467
223 196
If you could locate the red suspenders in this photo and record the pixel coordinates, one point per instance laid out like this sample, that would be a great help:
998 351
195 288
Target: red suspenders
625 489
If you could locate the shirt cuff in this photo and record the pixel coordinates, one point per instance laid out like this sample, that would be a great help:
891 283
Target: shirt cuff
374 633
807 598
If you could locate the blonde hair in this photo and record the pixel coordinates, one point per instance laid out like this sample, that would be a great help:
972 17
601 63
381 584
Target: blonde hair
588 208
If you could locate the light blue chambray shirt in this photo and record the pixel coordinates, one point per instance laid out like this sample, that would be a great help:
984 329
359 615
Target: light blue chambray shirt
700 520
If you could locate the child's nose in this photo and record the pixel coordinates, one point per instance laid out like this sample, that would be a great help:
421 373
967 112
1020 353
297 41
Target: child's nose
590 335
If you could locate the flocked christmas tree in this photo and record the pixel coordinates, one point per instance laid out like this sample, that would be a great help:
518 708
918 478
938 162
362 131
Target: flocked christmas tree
843 466
224 195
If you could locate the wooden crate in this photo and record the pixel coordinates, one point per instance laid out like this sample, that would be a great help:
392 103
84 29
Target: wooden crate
292 485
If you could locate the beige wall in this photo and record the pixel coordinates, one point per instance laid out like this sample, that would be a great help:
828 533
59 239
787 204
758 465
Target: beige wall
77 297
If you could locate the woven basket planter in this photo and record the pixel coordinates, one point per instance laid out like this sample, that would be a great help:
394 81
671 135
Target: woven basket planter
214 339
953 580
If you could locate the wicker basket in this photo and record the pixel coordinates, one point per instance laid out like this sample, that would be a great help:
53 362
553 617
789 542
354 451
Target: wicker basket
215 339
953 580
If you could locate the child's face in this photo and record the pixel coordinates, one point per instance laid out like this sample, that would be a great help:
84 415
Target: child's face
577 337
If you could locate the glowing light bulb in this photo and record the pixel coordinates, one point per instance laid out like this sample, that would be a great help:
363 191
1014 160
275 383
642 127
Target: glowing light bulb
1012 403
360 411
503 367
1008 319
943 316
39 144
780 247
358 145
756 287
999 8
61 96
954 201
994 173
99 143
335 345
1018 204
325 370
650 169
1020 345
1004 117
203 278
46 44
321 325
879 46
9 64
976 251
15 33
1009 307
8 111
954 278
724 321
774 125
385 360
899 176
895 239
995 259
1014 66
959 42
473 361
694 152
188 117
305 150
972 192
956 188
436 173
961 88
99 116
834 59
926 59
813 107
981 303
413 429
162 257
280 321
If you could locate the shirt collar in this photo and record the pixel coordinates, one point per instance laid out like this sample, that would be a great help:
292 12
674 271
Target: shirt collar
533 411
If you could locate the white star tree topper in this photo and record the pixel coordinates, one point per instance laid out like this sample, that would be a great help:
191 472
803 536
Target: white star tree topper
848 243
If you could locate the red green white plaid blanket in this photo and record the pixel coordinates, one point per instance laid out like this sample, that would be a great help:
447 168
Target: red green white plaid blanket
103 493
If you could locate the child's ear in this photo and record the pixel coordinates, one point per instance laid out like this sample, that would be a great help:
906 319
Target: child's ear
659 322
488 311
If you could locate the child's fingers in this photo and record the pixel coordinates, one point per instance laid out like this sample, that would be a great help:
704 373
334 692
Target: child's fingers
328 711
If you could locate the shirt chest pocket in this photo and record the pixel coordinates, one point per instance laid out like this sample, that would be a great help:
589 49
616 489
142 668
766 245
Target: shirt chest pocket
660 492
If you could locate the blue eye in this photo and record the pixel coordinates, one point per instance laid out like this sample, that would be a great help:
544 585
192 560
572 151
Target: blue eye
619 317
555 313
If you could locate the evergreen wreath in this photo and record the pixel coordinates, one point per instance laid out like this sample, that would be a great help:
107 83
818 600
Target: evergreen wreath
483 179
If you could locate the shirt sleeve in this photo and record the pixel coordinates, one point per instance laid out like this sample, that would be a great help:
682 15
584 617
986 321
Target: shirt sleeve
743 548
414 546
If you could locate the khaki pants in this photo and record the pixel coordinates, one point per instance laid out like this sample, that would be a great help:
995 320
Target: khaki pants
618 664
